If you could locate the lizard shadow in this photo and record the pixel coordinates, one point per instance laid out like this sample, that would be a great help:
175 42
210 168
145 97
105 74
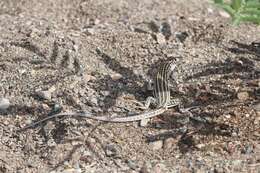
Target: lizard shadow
17 109
184 130
129 83
117 87
203 123
242 48
242 69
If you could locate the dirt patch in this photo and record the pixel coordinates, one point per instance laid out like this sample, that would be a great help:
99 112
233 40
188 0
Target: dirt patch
97 56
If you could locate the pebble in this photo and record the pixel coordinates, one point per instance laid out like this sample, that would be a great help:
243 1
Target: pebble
158 168
168 143
256 107
257 119
44 94
144 122
160 38
111 150
165 29
131 164
116 76
156 145
243 95
200 146
4 103
181 36
87 77
144 169
210 10
228 116
89 31
224 14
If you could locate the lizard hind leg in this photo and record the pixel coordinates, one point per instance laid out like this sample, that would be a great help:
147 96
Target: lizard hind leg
174 103
149 101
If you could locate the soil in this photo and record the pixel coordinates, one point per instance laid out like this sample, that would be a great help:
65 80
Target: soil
97 56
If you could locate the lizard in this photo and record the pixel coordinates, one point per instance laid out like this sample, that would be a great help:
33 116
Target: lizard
161 98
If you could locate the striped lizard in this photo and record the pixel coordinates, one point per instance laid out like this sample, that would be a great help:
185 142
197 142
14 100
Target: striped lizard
161 97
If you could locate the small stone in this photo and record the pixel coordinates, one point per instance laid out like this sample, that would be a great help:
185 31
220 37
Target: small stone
210 10
160 38
4 103
131 164
111 150
165 29
158 168
144 122
90 31
228 116
96 21
87 77
256 107
243 95
200 146
52 89
144 169
93 100
51 143
224 14
156 145
181 36
44 94
257 119
116 76
28 121
169 143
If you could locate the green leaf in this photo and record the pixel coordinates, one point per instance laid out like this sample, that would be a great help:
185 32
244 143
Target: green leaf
228 9
251 11
236 4
252 4
250 19
218 1
236 21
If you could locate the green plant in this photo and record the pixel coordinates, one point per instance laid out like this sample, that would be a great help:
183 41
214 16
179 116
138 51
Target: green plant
241 10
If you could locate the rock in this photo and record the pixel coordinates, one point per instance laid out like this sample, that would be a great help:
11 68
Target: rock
224 14
160 38
116 76
144 122
144 169
228 116
44 94
131 164
111 150
257 119
165 29
158 168
243 95
181 36
256 107
200 146
210 10
87 78
89 31
169 143
4 103
156 145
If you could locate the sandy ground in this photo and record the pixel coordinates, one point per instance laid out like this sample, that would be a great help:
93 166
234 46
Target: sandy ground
97 56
